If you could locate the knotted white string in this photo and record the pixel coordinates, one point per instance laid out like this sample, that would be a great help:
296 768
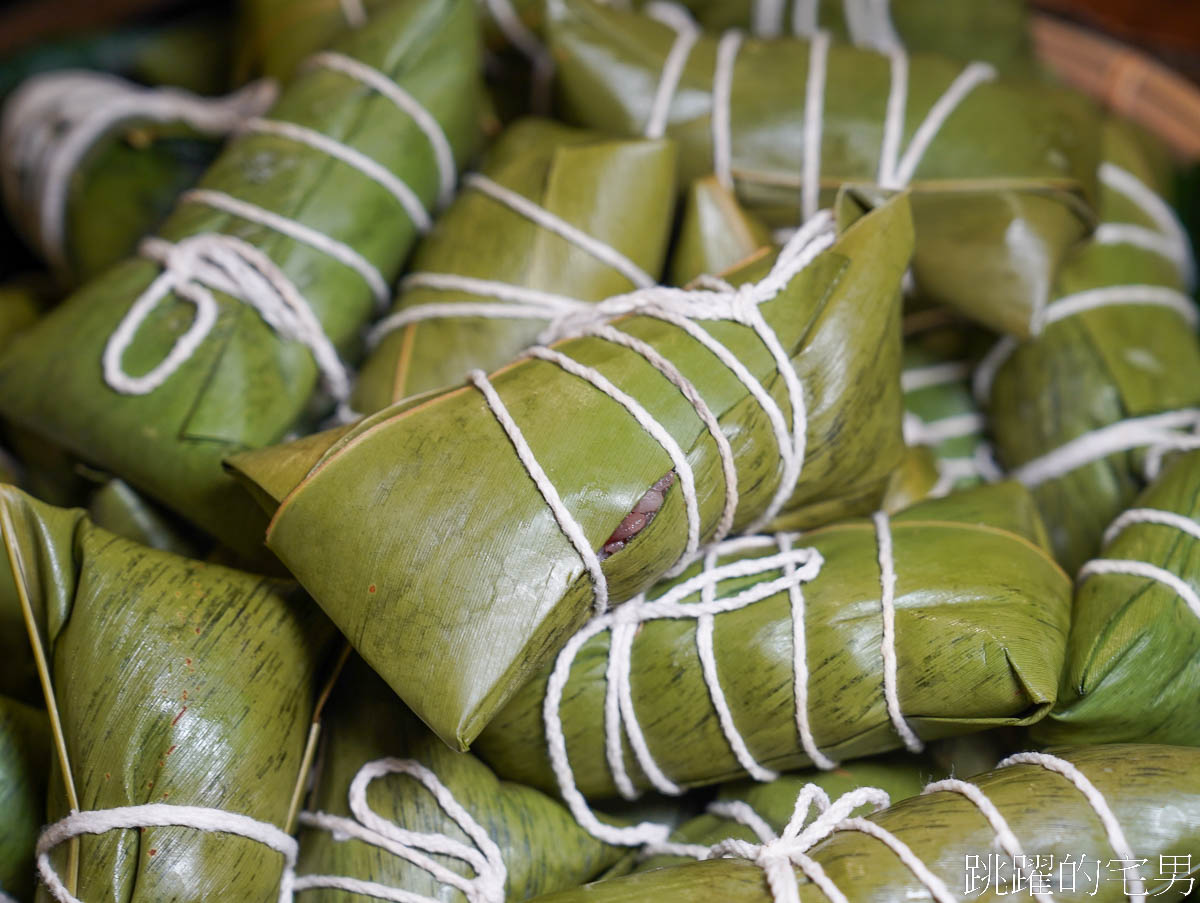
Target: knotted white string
528 45
1134 568
887 600
379 82
193 268
482 855
53 120
162 815
1095 799
895 170
681 307
623 623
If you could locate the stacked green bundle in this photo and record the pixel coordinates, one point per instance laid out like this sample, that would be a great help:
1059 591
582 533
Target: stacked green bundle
383 776
590 219
1107 823
459 539
262 278
779 652
1132 670
91 163
1081 412
787 121
180 696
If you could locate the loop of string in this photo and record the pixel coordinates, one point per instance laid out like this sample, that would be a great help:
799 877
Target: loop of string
798 566
887 601
680 308
1135 568
195 266
53 120
162 815
482 854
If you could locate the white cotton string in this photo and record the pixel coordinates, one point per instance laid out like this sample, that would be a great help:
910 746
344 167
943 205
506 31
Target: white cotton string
814 120
562 515
528 45
162 815
687 33
722 91
766 18
354 13
800 663
518 203
482 855
331 247
887 583
936 886
1077 303
1151 516
1172 239
804 18
623 622
870 25
705 628
893 120
53 119
355 159
1131 568
743 814
513 302
1174 430
679 461
916 378
974 75
377 81
193 268
703 411
935 432
1005 837
1112 827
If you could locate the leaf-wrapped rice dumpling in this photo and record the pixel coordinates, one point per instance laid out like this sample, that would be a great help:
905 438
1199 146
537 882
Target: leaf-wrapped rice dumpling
24 763
1133 671
785 651
940 411
90 163
216 339
174 685
1114 373
459 539
273 37
1102 823
381 769
489 251
786 121
715 233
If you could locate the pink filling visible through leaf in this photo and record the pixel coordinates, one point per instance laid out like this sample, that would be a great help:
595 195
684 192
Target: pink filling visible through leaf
641 515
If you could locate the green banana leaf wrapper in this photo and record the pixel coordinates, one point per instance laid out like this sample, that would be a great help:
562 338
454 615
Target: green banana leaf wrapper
174 682
982 615
22 301
245 386
541 847
421 533
1132 669
124 182
24 767
715 233
996 32
1153 792
618 191
1096 368
941 413
1016 157
272 37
